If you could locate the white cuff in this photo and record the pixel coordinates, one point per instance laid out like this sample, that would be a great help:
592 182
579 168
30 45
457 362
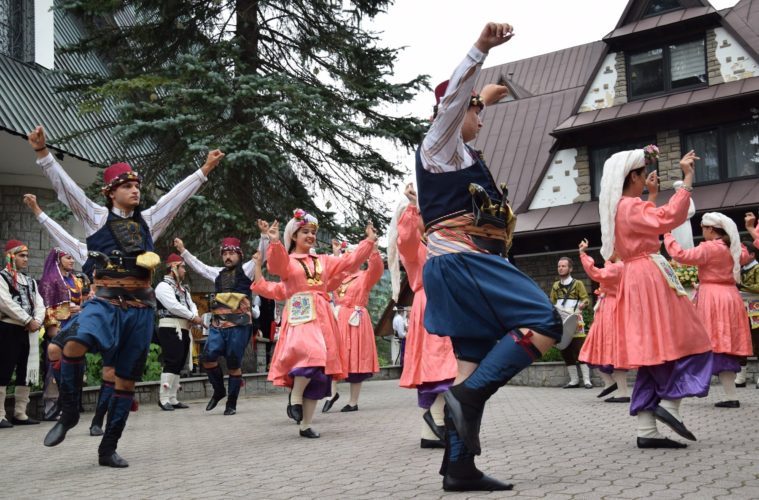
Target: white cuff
46 161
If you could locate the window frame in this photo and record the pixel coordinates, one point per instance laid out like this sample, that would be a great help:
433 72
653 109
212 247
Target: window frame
667 64
721 150
648 4
647 139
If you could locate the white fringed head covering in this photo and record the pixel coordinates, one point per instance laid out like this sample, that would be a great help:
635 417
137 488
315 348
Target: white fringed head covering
300 219
393 257
615 170
716 219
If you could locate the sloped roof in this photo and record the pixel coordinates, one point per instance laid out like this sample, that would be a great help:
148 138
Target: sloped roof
660 21
743 21
515 137
28 98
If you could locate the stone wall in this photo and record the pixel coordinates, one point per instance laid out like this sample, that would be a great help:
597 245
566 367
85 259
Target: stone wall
714 75
542 268
620 87
733 62
669 157
582 165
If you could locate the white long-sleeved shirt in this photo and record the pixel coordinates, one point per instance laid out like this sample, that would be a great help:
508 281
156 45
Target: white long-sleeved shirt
165 293
63 239
443 148
211 272
93 216
11 312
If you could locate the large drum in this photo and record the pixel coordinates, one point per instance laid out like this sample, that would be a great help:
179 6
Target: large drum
751 301
572 324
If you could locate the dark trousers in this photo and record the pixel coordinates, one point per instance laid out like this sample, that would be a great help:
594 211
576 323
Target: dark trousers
173 349
14 351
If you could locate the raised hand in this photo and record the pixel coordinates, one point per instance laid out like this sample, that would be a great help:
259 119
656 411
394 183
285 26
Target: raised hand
213 159
410 193
652 183
583 245
336 246
273 232
493 35
492 93
688 162
263 226
179 245
750 220
30 201
371 234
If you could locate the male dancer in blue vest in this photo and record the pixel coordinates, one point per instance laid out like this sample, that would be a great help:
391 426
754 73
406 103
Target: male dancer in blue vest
233 310
120 320
499 320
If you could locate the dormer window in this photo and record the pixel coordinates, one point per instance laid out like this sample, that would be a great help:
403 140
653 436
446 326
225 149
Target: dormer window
666 68
656 7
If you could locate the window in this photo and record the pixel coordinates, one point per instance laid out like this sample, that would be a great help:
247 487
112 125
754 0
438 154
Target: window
727 152
663 69
656 7
598 157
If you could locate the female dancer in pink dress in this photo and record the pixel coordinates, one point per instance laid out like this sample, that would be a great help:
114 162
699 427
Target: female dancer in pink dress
307 354
718 302
355 325
429 365
598 347
658 329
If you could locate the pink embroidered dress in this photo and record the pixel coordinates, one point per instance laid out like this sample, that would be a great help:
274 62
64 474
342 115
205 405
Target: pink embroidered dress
718 302
654 323
599 344
353 320
428 358
309 334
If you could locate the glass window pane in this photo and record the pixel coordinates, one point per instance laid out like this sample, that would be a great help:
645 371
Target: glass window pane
705 146
742 149
647 72
687 64
656 7
598 157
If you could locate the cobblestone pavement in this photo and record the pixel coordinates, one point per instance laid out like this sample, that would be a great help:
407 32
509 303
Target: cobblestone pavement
551 443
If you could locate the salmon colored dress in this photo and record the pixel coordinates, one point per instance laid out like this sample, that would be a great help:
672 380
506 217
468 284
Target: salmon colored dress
599 345
304 342
718 302
654 324
428 358
353 320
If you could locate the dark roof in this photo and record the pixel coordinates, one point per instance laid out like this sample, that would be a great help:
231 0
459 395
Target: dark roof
28 98
516 136
660 21
722 196
657 104
635 9
743 21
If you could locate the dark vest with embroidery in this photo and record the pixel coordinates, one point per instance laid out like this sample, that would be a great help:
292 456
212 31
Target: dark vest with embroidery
182 298
445 195
233 280
23 295
130 235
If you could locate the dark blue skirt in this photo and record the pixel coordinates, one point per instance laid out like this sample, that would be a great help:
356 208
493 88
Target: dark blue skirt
483 296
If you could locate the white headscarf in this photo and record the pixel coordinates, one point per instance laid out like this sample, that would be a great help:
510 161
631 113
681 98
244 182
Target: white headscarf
716 219
615 170
683 233
301 218
393 257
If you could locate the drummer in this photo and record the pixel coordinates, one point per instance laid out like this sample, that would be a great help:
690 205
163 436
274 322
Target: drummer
569 294
749 288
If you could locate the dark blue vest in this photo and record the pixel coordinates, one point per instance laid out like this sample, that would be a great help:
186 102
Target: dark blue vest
233 280
131 236
445 195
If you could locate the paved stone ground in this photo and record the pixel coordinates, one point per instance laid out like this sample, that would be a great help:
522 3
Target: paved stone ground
551 443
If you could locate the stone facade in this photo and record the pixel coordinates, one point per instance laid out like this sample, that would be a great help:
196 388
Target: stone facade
713 71
582 165
669 157
734 62
620 87
542 268
601 92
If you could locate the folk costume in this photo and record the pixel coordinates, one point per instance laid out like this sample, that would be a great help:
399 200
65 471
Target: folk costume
599 344
233 311
475 295
429 365
657 328
718 302
308 354
121 262
749 289
355 325
175 310
20 304
570 295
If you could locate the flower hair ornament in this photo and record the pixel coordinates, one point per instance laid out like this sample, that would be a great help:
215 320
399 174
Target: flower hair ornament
303 218
651 154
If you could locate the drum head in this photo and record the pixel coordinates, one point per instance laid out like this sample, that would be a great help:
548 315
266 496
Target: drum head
569 328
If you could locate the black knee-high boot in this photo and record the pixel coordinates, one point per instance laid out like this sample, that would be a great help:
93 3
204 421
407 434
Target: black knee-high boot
72 370
234 383
216 377
466 401
104 399
118 412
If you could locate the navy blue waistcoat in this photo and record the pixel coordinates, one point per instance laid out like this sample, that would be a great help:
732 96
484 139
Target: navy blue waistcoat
129 235
233 280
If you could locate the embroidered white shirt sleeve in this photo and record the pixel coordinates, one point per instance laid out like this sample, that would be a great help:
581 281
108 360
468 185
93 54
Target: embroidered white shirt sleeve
64 239
208 272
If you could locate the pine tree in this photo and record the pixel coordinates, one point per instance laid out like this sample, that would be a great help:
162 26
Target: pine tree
292 90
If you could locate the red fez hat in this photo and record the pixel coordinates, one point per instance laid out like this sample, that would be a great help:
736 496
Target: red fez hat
13 244
117 174
174 259
440 91
231 244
